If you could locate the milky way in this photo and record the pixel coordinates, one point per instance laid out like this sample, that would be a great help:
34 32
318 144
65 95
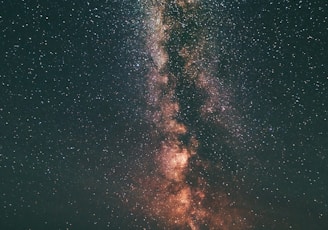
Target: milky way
164 114
183 97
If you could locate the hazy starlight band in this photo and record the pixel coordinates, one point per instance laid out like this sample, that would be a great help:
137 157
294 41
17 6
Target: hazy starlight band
181 92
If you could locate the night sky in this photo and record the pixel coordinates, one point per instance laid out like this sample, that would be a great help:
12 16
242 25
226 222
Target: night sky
163 114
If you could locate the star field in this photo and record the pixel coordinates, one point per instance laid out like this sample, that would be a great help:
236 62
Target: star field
141 114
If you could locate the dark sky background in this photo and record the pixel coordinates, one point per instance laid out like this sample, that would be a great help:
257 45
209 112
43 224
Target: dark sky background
72 124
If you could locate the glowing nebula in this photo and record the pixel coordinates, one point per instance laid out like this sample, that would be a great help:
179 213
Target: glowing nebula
179 80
